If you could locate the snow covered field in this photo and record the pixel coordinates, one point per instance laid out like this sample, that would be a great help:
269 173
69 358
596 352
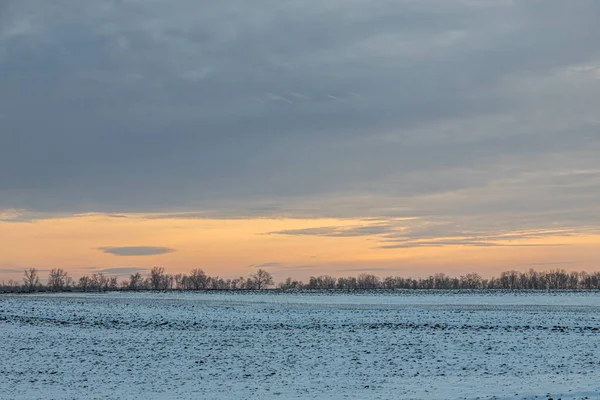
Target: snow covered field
401 345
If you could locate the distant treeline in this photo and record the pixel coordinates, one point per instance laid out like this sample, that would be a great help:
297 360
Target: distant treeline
509 280
59 281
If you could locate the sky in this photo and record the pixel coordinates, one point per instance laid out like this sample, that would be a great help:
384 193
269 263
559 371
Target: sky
305 137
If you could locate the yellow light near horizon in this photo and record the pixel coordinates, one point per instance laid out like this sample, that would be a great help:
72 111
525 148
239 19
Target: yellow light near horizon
227 247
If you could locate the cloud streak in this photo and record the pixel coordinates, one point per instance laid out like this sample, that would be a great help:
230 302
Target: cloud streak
461 242
136 251
265 265
120 271
12 270
414 233
277 267
336 231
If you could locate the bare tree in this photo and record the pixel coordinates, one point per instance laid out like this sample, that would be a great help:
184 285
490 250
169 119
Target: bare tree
99 282
57 279
347 283
472 281
11 285
262 279
146 283
135 281
179 281
31 279
217 283
85 282
238 283
367 281
290 283
322 282
168 282
249 284
198 279
113 283
159 280
156 277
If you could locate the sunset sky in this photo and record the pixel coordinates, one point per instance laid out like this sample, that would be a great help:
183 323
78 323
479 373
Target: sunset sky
305 137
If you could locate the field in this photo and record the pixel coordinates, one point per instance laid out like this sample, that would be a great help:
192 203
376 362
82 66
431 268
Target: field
267 345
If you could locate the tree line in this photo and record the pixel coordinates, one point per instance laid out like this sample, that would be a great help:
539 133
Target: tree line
59 280
508 280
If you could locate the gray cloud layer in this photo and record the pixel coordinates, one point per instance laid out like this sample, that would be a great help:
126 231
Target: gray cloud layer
481 113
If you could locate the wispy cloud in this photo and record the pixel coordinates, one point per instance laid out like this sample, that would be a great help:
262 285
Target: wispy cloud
414 233
265 265
133 251
281 267
368 270
458 242
120 271
12 270
338 231
19 270
448 235
299 267
22 216
538 264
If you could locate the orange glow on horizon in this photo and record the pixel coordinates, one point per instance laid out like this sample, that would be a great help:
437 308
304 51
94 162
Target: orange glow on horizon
229 247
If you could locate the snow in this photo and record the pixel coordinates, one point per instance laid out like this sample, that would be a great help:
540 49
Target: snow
379 345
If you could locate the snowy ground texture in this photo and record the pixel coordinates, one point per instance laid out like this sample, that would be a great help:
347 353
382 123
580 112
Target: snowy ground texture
398 345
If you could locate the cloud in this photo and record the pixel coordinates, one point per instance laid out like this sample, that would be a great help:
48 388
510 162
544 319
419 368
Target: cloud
416 232
24 216
440 110
12 270
550 263
473 243
265 265
120 271
19 270
337 231
132 251
299 267
367 270
277 267
447 234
